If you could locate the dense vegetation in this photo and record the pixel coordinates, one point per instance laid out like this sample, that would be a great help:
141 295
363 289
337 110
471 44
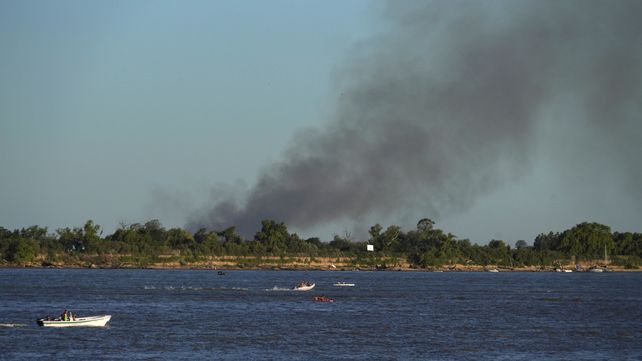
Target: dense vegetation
423 247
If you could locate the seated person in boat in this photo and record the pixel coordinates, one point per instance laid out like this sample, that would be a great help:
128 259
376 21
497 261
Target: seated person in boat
67 316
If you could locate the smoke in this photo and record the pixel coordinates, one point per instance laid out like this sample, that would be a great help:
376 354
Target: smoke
442 107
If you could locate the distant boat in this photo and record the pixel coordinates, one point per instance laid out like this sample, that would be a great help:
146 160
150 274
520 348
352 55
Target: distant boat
563 270
606 263
492 270
343 284
303 286
322 299
89 321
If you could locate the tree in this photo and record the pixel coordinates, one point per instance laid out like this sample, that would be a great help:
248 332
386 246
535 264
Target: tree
390 238
179 238
230 235
71 239
90 235
548 241
375 231
341 244
628 243
425 225
587 240
5 233
274 236
155 230
22 251
34 232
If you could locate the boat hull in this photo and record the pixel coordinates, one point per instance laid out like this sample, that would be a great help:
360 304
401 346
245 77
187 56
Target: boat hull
304 288
91 321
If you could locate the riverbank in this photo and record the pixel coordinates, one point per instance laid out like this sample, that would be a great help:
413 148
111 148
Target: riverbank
295 263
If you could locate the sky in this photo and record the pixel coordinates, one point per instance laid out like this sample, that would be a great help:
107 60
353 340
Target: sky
496 119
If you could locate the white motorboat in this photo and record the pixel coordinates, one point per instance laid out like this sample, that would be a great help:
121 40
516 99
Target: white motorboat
303 286
563 270
89 321
343 284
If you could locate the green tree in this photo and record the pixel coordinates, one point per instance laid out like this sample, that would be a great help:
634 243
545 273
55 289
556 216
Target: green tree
587 240
521 244
389 240
425 225
91 236
179 238
22 251
274 236
230 236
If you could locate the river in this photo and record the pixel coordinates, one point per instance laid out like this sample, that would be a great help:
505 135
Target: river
253 315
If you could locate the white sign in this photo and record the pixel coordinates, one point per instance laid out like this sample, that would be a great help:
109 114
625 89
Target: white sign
370 248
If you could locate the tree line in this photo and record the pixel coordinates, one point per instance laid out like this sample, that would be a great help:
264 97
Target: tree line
423 247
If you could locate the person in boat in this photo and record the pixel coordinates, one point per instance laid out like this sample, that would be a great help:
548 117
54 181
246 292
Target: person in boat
63 316
68 316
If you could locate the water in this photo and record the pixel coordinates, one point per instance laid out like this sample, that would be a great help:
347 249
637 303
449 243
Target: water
250 315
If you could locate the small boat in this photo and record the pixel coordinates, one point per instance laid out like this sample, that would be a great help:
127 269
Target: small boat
221 273
604 268
343 284
89 321
322 299
492 270
303 286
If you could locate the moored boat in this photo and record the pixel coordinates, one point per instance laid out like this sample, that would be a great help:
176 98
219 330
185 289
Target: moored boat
89 321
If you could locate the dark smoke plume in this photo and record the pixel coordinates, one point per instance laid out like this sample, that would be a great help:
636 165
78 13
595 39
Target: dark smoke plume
442 107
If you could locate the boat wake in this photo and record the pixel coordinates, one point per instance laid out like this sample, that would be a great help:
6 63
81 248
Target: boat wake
279 289
10 325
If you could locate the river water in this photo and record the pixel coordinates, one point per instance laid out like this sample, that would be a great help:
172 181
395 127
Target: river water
252 315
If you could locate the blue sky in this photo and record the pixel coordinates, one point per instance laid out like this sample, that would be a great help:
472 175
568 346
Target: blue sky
104 102
126 111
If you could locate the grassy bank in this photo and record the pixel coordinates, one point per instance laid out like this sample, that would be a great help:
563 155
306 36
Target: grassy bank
173 261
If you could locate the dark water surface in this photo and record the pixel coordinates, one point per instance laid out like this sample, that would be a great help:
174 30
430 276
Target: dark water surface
250 315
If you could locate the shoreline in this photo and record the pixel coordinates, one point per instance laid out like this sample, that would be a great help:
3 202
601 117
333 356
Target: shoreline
295 263
266 267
